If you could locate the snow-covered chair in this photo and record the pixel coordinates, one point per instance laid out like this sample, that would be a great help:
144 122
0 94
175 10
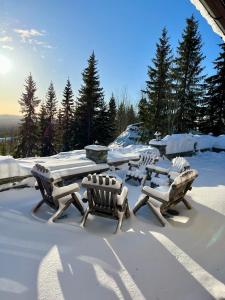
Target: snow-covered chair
54 194
179 165
106 197
137 169
175 193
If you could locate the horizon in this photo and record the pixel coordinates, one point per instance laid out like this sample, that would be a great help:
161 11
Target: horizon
55 46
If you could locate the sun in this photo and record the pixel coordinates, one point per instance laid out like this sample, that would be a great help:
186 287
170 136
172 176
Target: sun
5 65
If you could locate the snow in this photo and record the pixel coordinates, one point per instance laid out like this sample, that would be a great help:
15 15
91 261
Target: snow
184 260
178 143
96 148
9 167
208 17
220 142
130 136
205 141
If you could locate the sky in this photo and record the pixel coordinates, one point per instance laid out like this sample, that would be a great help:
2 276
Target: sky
53 39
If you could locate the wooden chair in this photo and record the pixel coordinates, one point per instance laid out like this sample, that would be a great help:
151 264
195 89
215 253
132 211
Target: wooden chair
137 169
175 194
106 197
54 193
179 165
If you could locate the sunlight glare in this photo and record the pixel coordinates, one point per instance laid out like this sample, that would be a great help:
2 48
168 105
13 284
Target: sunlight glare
5 65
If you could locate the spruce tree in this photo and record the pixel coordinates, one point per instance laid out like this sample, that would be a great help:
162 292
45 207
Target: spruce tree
121 117
49 133
188 77
112 118
213 108
59 131
159 86
102 129
28 131
89 105
67 117
43 122
131 115
143 117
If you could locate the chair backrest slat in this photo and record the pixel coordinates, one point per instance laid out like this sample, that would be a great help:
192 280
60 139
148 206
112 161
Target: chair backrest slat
103 191
182 184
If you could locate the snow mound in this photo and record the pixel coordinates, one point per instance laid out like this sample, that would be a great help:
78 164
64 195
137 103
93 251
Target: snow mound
131 136
220 142
9 167
178 143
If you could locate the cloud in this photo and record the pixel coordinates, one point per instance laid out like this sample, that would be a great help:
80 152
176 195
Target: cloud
6 38
26 34
7 47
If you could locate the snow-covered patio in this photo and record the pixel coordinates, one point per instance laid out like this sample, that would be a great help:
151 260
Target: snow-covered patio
184 260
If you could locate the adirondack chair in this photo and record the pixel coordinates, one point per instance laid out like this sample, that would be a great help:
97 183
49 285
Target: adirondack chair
137 169
179 165
106 197
175 194
54 194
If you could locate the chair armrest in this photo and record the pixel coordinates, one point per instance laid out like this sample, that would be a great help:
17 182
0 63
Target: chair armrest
157 169
122 197
59 192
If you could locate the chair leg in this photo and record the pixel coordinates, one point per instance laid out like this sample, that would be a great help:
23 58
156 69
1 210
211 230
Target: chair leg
59 212
38 206
118 228
127 211
144 180
77 203
157 213
141 201
186 203
128 177
82 224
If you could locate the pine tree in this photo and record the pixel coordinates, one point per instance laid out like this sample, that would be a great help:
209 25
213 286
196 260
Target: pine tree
159 86
28 131
67 117
112 118
89 104
213 108
188 77
49 132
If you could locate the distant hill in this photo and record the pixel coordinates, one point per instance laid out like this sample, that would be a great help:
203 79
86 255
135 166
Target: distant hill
8 122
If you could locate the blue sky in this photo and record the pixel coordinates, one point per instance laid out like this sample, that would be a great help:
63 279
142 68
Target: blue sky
53 40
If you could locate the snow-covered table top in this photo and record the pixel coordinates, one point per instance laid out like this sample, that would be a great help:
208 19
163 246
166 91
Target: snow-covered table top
96 148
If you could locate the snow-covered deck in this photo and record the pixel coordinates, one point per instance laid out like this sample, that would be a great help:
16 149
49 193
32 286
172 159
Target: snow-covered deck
184 260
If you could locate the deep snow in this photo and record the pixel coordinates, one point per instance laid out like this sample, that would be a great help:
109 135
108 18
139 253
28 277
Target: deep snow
184 260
